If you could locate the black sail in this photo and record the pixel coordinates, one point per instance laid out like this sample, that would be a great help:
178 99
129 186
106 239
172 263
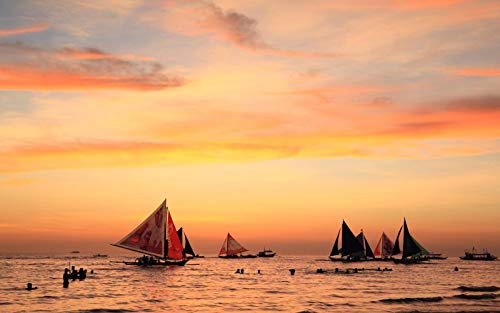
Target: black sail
410 246
396 249
361 238
335 249
369 252
179 233
350 244
188 249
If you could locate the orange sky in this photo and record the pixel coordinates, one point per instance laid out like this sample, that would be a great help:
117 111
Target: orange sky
247 122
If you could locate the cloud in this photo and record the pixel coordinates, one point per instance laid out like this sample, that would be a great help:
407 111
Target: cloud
25 67
400 5
205 17
96 54
91 154
474 72
23 30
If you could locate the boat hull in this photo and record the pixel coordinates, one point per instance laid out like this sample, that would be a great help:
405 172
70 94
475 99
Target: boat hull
478 259
410 261
266 255
160 263
234 256
353 260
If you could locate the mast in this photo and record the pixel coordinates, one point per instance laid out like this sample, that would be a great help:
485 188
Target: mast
165 243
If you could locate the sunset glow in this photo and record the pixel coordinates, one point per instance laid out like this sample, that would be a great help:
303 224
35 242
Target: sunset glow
273 120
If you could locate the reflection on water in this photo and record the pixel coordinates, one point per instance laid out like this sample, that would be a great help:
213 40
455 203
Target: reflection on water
211 285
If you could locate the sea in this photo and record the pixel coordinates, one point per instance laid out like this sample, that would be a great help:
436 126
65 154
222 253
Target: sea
212 285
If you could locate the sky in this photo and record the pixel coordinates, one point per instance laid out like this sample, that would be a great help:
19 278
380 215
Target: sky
272 120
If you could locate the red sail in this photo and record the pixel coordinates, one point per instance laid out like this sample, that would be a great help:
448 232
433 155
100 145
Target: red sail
223 250
234 247
387 246
174 243
384 246
378 248
149 237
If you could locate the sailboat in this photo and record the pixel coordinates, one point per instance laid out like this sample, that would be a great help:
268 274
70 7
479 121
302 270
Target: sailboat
352 249
187 249
231 249
368 253
156 237
383 251
413 252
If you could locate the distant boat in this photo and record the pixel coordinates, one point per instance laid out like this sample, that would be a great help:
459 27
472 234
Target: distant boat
266 253
436 256
354 249
75 251
187 249
231 249
476 256
100 255
156 237
413 252
383 251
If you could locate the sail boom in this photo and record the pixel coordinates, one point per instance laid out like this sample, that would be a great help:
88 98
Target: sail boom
137 250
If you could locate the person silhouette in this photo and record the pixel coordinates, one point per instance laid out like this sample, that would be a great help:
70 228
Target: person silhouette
74 273
30 287
66 278
82 274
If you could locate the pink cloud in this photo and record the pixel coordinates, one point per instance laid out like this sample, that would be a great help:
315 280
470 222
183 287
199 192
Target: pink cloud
23 30
24 67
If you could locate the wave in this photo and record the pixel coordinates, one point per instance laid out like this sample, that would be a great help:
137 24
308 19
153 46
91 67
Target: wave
105 310
478 288
49 297
411 300
476 296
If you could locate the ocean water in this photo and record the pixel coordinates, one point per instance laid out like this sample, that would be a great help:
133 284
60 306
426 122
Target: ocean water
211 285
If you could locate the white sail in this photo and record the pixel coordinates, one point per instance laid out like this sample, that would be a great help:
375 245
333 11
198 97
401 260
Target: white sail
149 236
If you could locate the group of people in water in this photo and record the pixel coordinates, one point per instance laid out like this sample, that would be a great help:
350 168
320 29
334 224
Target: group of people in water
81 274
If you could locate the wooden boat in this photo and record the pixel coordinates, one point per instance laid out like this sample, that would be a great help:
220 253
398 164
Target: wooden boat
158 262
476 256
232 249
354 248
266 253
155 237
383 250
187 249
413 252
100 255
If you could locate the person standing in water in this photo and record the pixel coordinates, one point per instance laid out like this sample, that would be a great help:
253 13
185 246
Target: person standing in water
66 278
